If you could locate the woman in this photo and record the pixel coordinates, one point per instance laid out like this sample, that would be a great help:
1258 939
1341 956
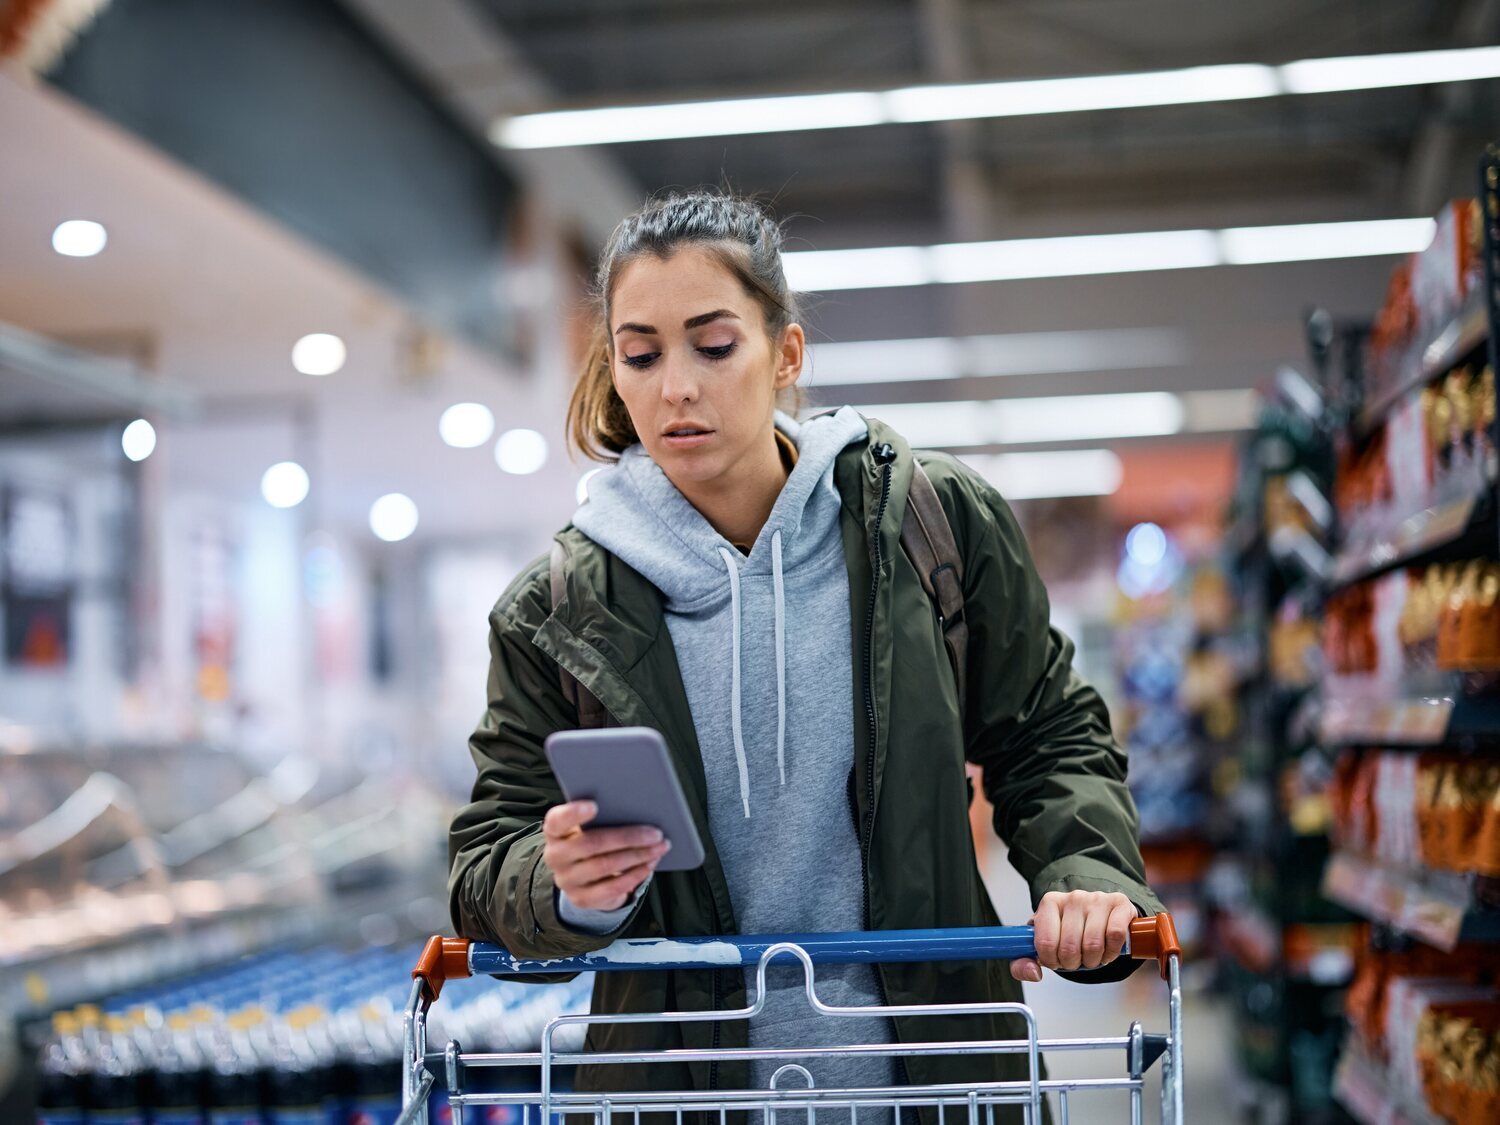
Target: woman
735 580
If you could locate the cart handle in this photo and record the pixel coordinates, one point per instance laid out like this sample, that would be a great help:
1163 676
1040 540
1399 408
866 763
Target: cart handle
443 959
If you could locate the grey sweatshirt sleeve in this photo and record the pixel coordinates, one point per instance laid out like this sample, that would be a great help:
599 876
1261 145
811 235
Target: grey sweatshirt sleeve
599 922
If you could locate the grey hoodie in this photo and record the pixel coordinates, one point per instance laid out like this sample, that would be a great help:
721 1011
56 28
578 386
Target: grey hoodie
763 644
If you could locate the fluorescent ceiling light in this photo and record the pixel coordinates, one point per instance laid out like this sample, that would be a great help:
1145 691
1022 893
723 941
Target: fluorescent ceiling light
1072 256
1035 476
817 270
722 117
1015 353
1036 421
1080 255
1071 95
1317 241
1374 72
1029 421
1026 97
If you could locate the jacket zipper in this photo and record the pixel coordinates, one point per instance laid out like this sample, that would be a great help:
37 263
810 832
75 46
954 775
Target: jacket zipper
884 455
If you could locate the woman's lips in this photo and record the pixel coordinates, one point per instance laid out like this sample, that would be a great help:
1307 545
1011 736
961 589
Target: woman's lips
687 441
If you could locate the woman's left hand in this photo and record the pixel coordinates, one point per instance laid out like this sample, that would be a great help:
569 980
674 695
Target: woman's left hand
1076 930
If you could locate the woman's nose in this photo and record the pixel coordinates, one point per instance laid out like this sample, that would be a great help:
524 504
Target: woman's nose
678 381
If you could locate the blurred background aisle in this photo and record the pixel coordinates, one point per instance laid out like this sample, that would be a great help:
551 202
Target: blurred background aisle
291 302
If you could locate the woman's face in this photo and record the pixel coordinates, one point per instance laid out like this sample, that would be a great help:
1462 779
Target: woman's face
694 366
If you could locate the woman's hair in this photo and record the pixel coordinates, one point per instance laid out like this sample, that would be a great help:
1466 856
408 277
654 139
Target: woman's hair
735 230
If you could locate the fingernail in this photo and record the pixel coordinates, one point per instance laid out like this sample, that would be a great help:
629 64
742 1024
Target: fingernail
656 836
590 808
666 846
1034 974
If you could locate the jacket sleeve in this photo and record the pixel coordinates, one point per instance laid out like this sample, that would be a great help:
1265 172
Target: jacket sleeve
499 887
1040 734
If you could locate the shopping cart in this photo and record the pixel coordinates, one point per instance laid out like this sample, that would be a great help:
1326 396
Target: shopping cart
449 958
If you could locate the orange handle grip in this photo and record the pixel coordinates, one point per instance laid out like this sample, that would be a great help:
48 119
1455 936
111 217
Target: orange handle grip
1155 939
443 959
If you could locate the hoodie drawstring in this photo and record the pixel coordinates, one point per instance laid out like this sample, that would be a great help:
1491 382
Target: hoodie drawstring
731 564
780 654
739 737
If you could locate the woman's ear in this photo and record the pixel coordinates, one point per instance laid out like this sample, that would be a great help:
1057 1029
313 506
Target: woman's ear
790 356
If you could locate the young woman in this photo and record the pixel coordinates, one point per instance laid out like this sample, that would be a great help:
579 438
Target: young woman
735 580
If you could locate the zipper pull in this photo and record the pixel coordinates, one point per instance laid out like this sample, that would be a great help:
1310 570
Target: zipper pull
885 453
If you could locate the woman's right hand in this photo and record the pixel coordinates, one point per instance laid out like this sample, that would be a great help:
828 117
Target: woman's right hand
598 868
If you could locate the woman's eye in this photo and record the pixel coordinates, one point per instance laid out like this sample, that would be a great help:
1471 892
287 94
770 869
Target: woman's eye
642 360
718 352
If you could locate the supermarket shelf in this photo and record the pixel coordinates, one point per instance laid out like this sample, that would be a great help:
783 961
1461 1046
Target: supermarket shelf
1361 1087
1458 338
1460 528
1437 713
1437 907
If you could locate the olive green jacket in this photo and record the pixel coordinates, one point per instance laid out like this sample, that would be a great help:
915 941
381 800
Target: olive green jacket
1040 734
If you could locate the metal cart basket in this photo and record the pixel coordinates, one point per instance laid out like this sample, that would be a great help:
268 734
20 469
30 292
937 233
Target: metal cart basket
448 958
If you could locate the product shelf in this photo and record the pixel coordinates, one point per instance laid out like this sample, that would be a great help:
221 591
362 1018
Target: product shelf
1463 527
1363 1087
1453 342
1420 715
1437 907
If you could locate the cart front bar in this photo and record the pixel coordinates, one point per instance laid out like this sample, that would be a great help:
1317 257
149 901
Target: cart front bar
1151 939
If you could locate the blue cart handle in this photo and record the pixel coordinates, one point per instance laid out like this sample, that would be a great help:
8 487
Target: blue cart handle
448 958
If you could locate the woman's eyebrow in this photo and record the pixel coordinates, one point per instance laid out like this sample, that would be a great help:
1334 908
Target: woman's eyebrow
691 322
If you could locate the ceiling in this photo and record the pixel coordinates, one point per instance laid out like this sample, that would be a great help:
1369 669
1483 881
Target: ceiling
1041 174
201 292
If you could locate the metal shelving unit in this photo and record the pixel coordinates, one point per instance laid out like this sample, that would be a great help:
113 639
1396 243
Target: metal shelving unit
1434 711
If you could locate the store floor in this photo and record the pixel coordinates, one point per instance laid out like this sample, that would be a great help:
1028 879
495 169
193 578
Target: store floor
1066 1010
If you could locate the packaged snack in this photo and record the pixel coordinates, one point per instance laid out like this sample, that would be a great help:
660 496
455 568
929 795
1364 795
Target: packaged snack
1478 644
1432 771
1484 423
1487 844
1449 651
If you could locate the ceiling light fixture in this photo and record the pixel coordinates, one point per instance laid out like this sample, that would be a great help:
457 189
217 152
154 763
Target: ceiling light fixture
1037 476
1081 255
79 238
284 484
393 517
1037 421
319 353
1013 353
466 425
1013 98
139 440
521 452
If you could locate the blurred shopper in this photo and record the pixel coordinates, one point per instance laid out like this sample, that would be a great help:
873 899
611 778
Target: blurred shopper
736 580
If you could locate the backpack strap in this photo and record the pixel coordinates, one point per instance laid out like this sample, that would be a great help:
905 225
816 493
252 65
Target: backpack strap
591 713
927 539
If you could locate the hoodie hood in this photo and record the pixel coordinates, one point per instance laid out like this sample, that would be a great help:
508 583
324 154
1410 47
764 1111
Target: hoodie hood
635 512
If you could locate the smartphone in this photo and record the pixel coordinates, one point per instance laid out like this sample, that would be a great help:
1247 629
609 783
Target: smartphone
628 773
